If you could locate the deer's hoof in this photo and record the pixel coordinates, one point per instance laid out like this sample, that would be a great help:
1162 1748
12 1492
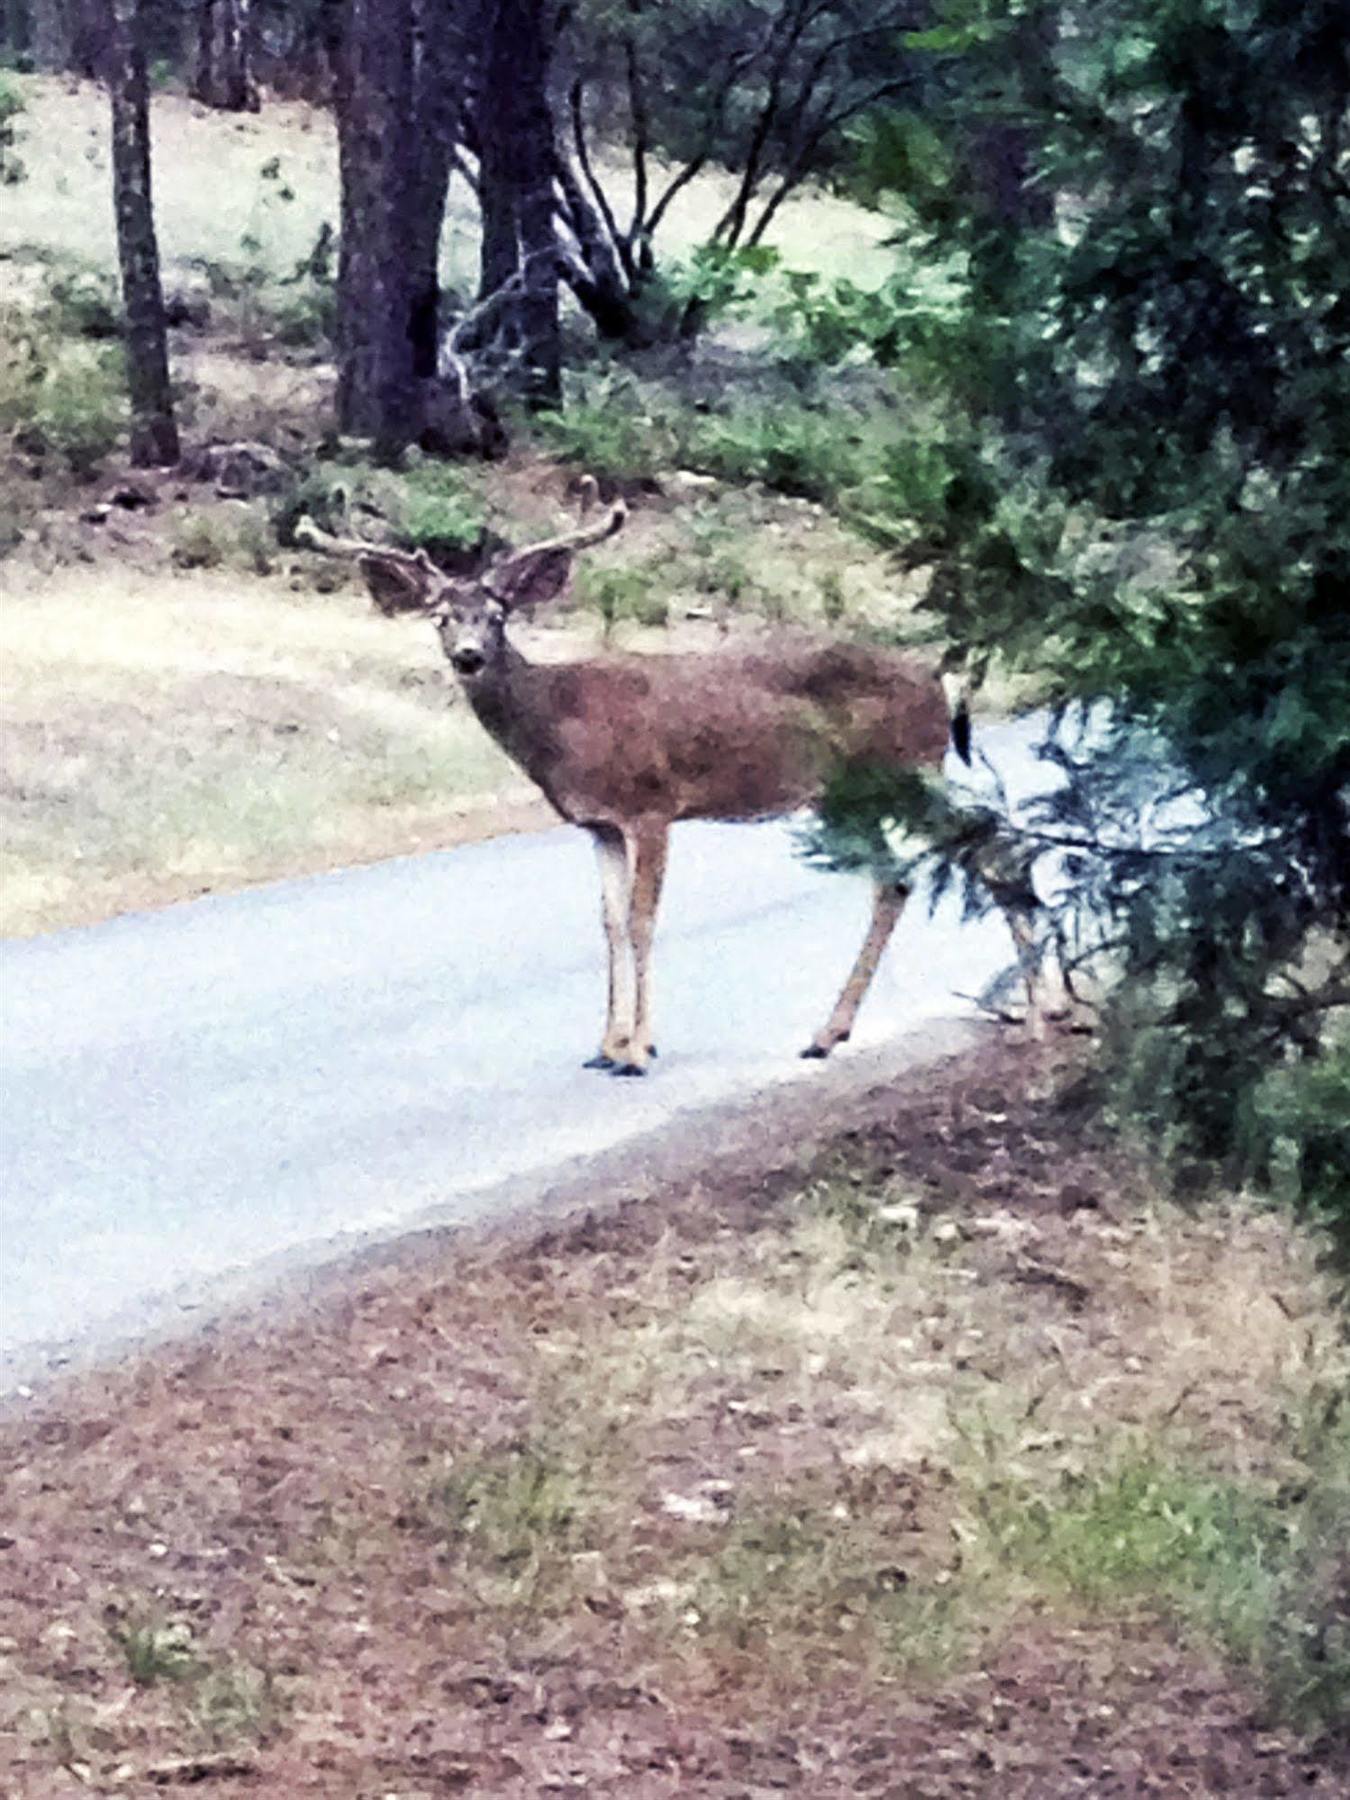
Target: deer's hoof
628 1068
815 1052
598 1061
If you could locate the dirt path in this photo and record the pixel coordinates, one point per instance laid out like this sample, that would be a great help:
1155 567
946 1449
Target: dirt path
725 1486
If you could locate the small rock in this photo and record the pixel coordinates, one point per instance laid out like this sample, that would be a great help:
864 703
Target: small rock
946 1231
695 1509
904 1215
688 484
241 470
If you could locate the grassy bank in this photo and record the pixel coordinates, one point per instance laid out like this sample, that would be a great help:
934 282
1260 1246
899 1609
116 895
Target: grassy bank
948 1454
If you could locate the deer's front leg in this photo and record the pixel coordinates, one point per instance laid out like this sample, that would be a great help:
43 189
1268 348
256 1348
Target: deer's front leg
616 902
648 845
888 903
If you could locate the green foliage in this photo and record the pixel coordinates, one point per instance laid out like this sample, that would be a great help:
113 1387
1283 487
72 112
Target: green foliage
222 537
157 1650
635 596
721 281
438 511
433 506
82 302
1300 1131
1142 487
61 399
1264 1576
12 107
611 426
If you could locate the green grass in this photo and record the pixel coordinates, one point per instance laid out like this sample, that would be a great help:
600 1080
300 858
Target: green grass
515 1519
157 1650
1264 1576
59 396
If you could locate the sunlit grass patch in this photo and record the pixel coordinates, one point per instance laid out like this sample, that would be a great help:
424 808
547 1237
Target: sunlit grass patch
1264 1576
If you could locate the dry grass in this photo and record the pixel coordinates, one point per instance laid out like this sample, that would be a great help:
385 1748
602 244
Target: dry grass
934 1462
165 736
65 149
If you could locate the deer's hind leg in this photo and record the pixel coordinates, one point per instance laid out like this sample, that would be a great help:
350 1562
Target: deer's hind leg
888 902
648 845
616 909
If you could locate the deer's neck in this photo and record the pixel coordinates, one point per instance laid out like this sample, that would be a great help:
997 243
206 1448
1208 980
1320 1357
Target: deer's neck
510 702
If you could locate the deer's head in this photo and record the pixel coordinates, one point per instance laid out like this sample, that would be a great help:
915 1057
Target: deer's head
470 613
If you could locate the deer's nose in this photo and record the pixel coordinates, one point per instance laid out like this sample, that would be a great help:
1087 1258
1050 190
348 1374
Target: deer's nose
467 659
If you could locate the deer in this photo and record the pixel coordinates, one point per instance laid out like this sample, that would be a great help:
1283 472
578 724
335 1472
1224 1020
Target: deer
626 746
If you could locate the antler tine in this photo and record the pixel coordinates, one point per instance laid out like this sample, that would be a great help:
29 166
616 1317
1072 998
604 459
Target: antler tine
578 539
306 532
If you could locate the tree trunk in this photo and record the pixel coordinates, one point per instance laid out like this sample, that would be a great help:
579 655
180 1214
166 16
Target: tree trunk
443 31
377 391
154 435
517 166
225 42
16 27
498 201
52 34
595 274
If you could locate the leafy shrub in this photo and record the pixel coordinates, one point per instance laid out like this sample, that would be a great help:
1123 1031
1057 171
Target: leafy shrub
612 427
436 511
623 596
302 317
431 506
61 399
12 106
833 456
1299 1135
222 537
83 302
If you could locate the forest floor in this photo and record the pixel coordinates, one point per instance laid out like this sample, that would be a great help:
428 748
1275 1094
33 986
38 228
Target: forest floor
935 1456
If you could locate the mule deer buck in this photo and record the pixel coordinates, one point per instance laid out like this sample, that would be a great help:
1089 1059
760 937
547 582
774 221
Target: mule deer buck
627 745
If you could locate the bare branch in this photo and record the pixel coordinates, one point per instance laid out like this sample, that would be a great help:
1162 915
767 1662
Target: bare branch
576 98
799 167
729 227
637 111
462 166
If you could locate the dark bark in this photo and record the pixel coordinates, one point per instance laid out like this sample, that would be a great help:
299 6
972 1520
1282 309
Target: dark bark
497 118
16 27
154 435
518 162
377 389
53 34
445 35
594 273
224 76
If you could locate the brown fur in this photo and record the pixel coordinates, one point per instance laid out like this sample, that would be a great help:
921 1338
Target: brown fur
731 735
626 746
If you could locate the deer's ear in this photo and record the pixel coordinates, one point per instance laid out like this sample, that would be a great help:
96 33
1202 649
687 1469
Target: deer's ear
398 584
530 578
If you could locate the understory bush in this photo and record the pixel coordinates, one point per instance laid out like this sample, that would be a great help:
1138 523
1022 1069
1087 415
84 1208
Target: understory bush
59 398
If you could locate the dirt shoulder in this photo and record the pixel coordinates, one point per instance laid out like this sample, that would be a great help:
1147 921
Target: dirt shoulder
922 1453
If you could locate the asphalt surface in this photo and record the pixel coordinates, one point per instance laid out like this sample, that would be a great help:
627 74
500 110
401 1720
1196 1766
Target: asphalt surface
193 1099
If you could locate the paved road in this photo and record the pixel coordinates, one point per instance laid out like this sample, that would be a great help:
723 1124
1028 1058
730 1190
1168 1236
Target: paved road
271 1077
